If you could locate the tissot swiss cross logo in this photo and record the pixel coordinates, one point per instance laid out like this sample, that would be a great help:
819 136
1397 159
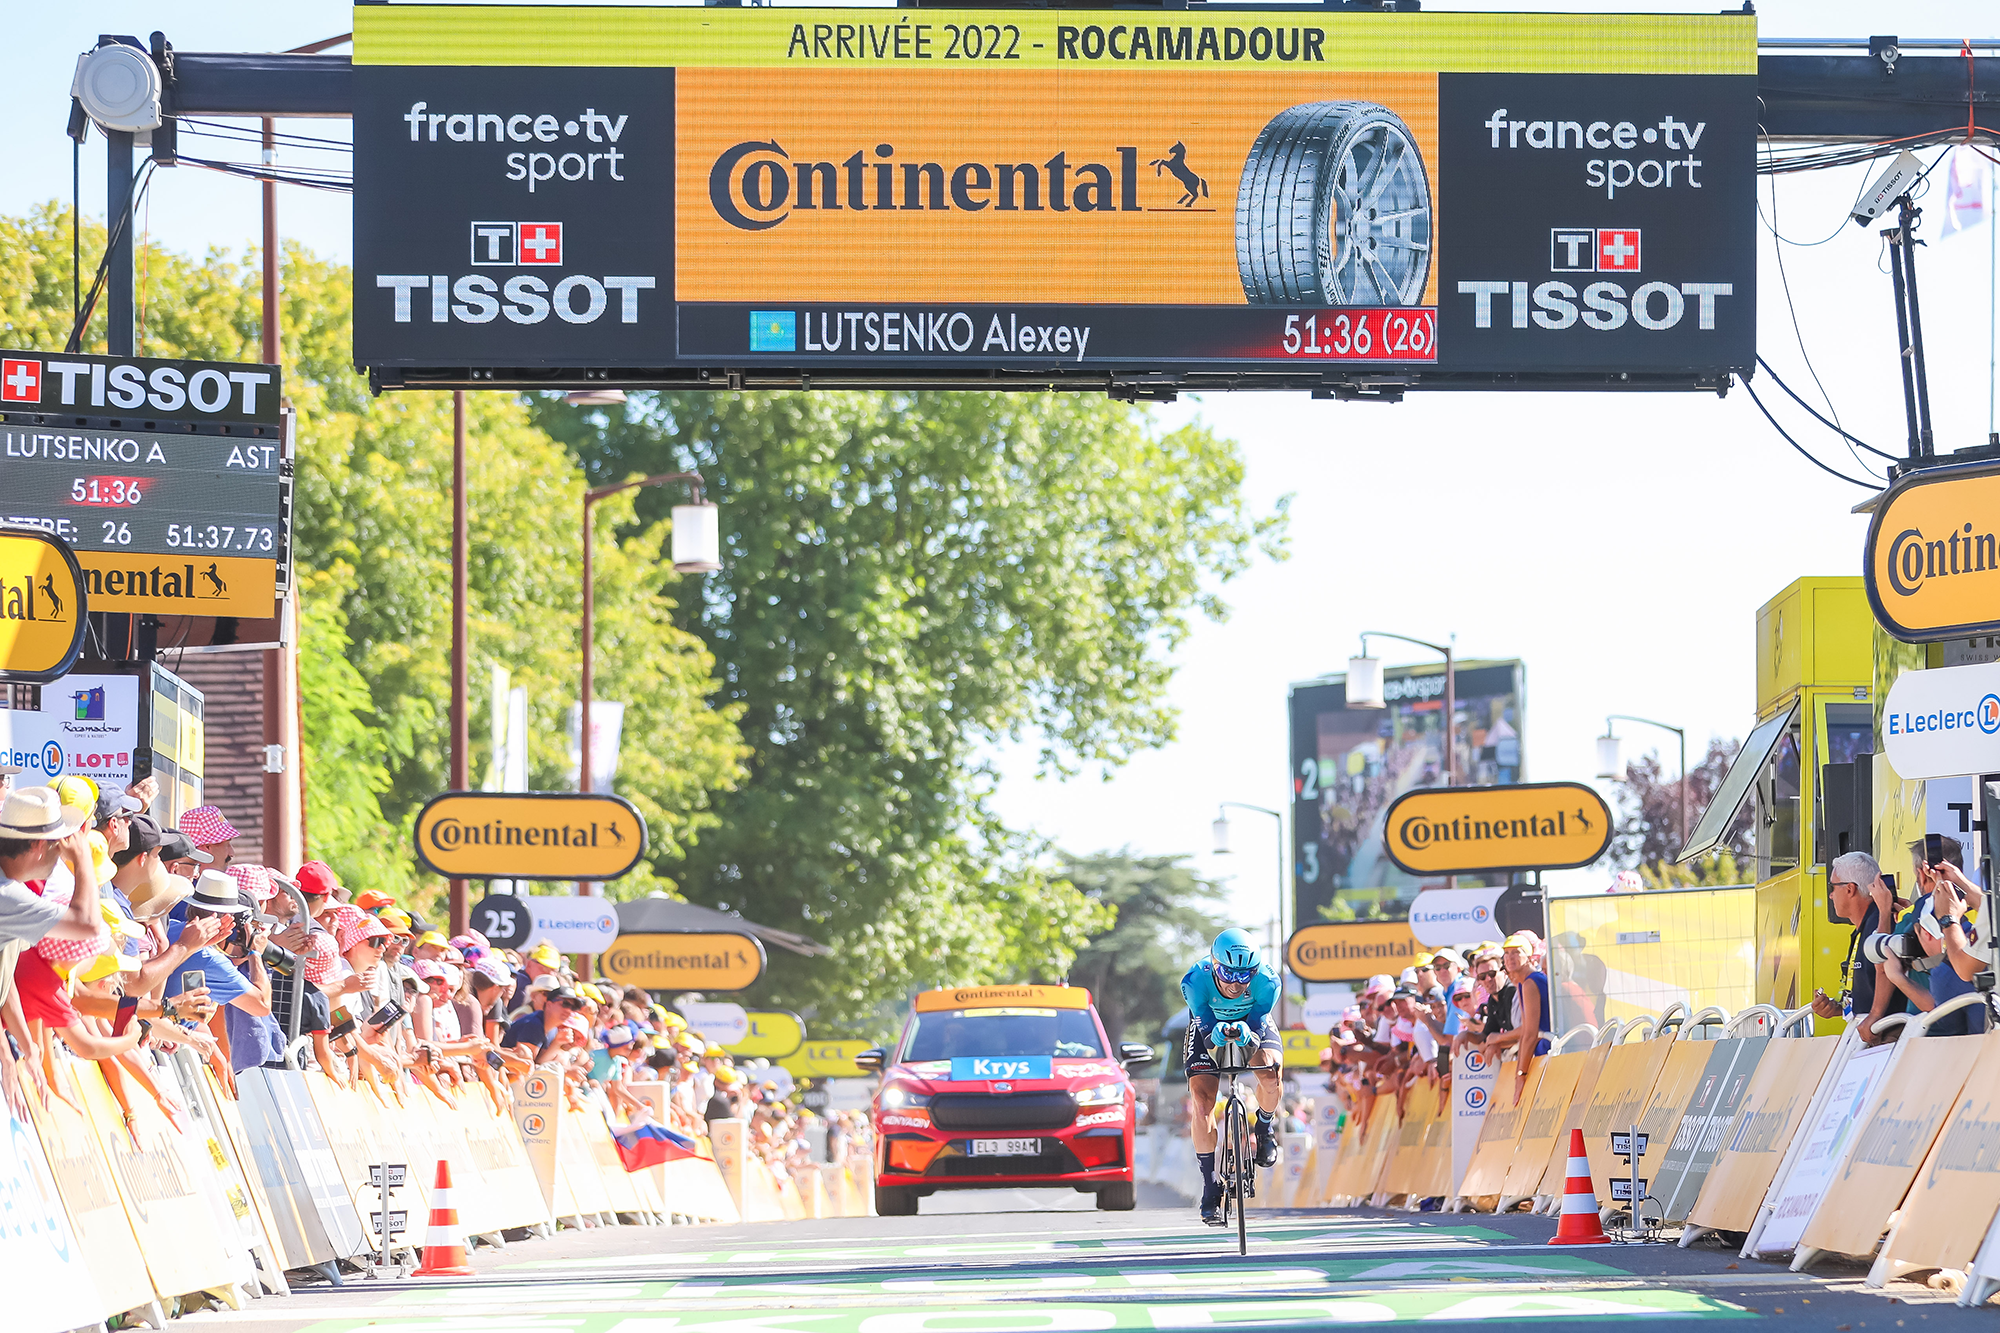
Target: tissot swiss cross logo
1618 250
507 244
541 242
1594 250
20 381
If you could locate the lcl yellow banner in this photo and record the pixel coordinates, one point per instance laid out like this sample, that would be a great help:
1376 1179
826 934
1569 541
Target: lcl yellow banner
41 605
1930 559
530 835
692 960
826 1059
774 1034
1528 826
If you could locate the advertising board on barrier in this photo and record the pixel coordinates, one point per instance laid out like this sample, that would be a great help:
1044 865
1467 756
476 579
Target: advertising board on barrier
1471 1095
1732 1063
1774 1106
1959 1184
1546 194
48 1277
77 724
1828 1138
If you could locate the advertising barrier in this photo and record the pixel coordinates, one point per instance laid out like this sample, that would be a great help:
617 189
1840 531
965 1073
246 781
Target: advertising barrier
1618 1102
1064 192
1719 1091
1956 1193
49 1284
1822 1153
1774 1106
1556 1167
1472 1094
1502 1130
1554 1083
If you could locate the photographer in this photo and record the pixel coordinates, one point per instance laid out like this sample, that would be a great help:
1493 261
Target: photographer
254 1039
1944 934
1854 881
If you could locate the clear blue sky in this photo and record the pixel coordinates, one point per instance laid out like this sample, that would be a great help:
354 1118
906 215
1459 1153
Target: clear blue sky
1619 545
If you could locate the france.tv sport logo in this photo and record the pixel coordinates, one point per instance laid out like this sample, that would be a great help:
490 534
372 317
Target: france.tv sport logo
1985 715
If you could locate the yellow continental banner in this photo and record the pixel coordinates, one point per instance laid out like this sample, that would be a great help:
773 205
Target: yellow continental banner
41 605
977 997
1958 1189
1930 560
1348 953
968 181
207 585
1526 826
690 960
1071 39
530 835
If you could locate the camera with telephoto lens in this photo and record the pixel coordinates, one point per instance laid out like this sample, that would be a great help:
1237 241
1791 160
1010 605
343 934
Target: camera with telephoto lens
276 959
1879 948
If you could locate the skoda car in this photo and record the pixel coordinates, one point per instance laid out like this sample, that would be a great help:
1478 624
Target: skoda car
995 1087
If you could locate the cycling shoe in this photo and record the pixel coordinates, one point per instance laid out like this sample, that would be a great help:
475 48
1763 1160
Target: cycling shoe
1211 1206
1267 1143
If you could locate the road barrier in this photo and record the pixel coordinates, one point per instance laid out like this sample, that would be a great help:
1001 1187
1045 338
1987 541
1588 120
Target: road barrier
113 1207
1807 1145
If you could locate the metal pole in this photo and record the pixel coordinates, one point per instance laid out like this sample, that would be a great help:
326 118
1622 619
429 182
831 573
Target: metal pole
118 315
1280 821
273 829
1917 329
589 682
1898 237
1684 787
1450 728
460 738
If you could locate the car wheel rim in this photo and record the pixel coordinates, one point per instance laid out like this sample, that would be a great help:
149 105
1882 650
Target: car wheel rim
1379 224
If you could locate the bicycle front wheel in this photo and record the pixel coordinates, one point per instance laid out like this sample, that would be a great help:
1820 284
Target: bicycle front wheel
1237 1129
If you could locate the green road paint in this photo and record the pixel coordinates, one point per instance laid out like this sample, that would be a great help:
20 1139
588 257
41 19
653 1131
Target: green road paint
1380 1237
1375 1308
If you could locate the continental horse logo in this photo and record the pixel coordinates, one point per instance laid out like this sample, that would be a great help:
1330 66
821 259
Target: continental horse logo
1193 187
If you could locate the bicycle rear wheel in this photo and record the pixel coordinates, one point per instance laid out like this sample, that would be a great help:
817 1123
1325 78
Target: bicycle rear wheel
1236 1128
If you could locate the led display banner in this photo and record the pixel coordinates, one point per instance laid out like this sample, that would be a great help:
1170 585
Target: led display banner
1053 193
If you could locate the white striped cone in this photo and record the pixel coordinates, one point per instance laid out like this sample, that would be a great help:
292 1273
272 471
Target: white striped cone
1579 1224
444 1243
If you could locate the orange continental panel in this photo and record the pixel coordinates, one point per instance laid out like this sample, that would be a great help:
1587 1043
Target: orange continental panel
1163 253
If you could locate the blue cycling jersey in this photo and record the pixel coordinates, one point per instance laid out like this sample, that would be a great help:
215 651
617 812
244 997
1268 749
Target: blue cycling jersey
1208 1005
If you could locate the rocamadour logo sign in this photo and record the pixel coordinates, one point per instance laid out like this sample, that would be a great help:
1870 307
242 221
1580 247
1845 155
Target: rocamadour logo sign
757 184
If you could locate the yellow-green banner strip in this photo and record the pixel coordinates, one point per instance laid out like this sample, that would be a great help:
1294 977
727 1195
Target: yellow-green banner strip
1189 39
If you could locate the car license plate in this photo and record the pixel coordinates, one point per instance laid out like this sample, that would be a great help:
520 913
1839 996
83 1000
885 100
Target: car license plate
1006 1147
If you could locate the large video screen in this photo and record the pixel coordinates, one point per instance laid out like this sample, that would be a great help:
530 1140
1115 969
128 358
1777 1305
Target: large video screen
1061 191
1350 764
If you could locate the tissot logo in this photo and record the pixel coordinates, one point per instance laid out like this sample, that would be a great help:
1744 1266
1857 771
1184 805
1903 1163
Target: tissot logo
511 244
757 184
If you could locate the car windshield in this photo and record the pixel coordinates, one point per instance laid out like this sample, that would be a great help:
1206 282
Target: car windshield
965 1032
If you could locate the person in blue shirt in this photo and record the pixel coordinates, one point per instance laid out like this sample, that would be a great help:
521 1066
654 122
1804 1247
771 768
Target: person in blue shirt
1230 985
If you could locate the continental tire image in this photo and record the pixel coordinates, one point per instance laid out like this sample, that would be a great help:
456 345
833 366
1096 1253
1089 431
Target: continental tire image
1334 209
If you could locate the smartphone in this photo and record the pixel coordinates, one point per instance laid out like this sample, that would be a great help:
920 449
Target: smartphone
493 1060
1933 849
193 979
387 1014
340 1029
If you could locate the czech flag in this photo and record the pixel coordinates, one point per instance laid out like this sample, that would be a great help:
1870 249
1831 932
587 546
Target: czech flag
643 1144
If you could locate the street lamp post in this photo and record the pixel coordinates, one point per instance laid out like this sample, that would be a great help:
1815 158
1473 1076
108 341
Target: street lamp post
1221 830
696 550
1608 764
1369 670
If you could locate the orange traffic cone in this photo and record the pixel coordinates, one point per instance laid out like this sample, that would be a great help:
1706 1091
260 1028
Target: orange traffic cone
444 1243
1579 1225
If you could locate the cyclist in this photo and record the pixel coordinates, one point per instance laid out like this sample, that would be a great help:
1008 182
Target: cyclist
1230 985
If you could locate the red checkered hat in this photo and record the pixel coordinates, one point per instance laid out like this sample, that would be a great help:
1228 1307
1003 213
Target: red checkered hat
205 826
254 878
353 932
345 915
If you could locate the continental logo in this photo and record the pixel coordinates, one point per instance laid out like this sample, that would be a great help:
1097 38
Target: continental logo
757 184
1932 561
986 997
1970 1144
1330 952
1525 826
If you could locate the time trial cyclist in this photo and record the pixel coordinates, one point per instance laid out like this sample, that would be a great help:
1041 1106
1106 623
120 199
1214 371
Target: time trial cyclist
1230 985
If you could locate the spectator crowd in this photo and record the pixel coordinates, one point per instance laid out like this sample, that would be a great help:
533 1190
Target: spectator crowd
119 934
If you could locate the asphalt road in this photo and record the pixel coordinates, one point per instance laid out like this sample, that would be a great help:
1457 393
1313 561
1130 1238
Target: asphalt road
1047 1262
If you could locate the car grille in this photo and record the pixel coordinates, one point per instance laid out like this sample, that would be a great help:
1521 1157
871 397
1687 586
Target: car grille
1021 1110
1060 1162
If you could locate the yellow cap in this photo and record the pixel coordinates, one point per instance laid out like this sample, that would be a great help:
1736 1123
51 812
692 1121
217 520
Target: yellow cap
433 937
120 923
590 992
715 1048
1523 939
673 1022
102 965
77 792
543 953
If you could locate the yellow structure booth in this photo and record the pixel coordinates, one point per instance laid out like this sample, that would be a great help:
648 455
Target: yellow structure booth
1814 672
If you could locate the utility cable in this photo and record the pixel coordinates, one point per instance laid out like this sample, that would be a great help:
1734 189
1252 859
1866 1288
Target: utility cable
1894 458
142 182
1865 485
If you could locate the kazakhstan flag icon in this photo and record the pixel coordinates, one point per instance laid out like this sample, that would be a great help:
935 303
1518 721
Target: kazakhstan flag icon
774 331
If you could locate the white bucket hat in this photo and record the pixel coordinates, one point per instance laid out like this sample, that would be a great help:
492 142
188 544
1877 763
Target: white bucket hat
37 812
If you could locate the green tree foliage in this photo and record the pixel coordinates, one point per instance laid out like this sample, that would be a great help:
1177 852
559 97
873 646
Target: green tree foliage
909 578
373 544
1167 916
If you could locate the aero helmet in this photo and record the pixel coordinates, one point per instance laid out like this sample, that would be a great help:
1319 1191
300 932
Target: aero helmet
1235 958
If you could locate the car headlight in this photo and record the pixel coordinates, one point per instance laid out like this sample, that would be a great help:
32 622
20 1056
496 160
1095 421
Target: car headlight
898 1096
1102 1094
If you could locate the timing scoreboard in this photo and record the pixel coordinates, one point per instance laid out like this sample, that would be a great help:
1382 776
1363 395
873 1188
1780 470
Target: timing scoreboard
170 479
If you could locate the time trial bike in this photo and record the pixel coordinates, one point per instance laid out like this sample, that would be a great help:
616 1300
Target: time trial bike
1235 1162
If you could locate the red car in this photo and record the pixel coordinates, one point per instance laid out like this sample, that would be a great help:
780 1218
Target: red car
1001 1087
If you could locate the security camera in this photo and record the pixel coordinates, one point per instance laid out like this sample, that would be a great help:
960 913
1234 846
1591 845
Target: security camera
1896 182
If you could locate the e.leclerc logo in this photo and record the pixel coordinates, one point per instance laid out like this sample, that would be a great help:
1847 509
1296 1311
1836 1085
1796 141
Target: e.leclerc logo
1985 715
1475 1098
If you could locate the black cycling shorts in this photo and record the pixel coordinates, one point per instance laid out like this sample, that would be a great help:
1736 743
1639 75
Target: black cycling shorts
1194 1048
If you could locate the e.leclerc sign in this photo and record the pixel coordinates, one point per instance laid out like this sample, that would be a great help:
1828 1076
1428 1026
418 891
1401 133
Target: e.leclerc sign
1524 826
529 835
42 599
1930 563
1943 723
